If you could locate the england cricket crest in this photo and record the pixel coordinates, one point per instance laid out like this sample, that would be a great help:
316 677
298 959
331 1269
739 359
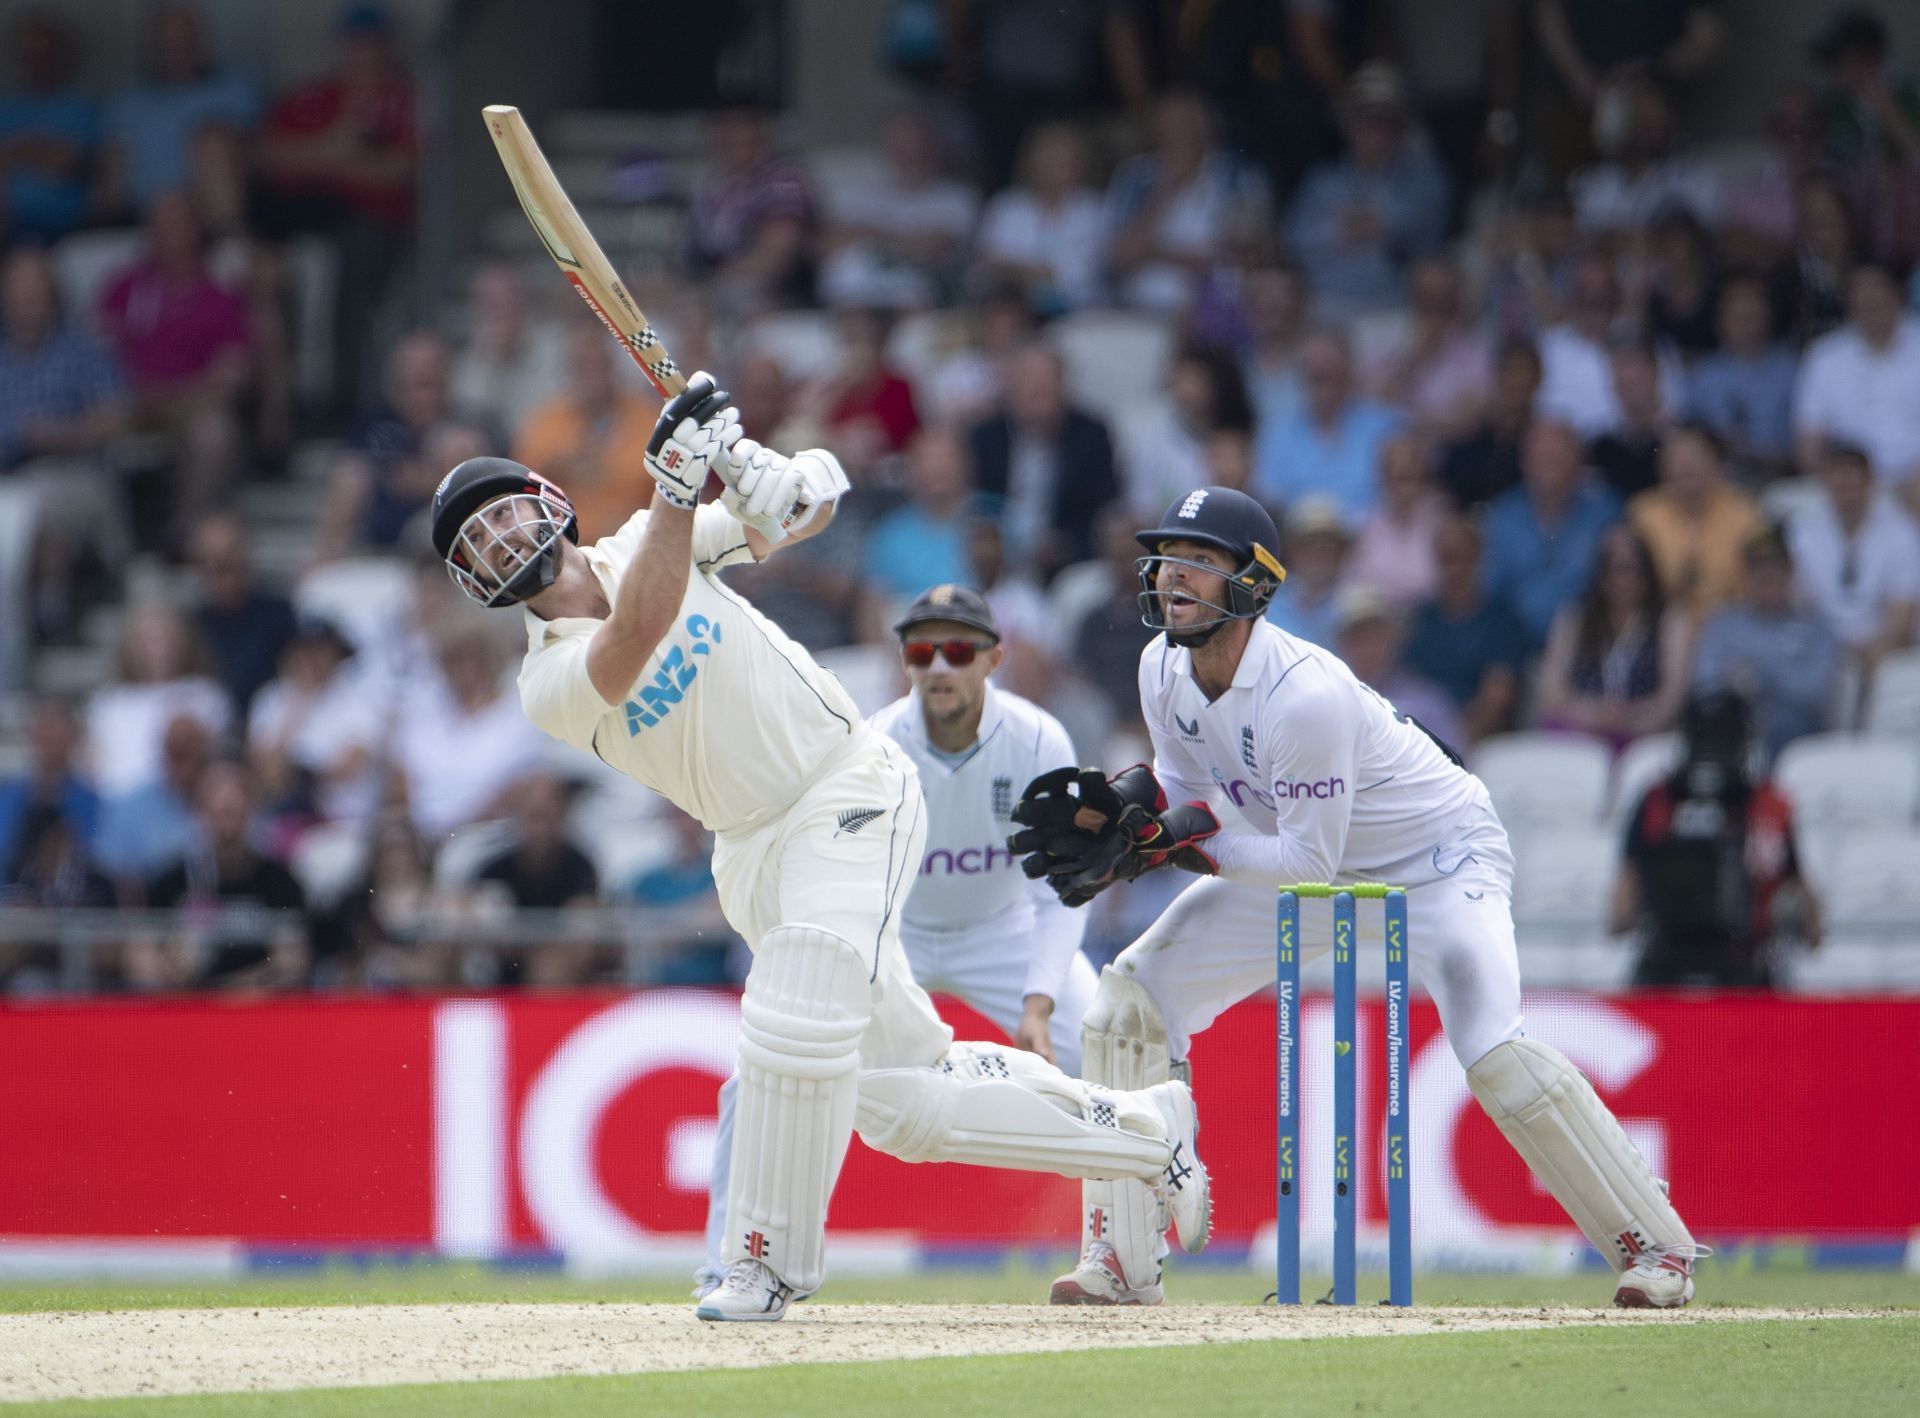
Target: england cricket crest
1003 798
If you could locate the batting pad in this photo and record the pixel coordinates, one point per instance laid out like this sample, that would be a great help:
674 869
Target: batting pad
998 1107
805 1008
1123 1044
1554 1119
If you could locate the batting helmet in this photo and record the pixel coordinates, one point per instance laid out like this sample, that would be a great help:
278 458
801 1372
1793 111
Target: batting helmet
1231 522
497 524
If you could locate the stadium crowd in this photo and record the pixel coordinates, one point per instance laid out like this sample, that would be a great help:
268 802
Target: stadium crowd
1564 418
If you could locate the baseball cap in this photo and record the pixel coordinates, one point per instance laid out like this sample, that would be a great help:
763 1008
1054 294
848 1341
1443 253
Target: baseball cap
960 604
1376 88
1316 516
1356 605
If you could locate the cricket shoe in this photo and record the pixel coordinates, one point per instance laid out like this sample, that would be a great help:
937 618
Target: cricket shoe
706 1280
749 1292
1659 1278
1098 1280
1186 1198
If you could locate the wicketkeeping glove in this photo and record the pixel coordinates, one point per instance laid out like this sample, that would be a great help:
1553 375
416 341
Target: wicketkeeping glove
1084 832
694 430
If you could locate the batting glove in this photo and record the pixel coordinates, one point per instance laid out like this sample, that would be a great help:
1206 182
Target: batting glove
694 430
766 490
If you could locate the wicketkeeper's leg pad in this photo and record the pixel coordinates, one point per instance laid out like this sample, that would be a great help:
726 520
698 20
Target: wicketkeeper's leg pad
1575 1146
1004 1107
806 1005
1124 1045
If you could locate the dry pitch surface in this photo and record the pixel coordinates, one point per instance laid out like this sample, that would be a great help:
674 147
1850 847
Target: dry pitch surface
152 1352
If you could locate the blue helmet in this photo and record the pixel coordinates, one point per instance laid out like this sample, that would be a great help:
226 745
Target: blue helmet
1232 522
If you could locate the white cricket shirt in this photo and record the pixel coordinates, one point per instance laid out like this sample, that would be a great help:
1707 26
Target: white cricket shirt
1299 750
970 881
730 720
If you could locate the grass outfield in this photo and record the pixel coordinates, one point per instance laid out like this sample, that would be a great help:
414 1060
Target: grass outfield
1012 1284
1859 1368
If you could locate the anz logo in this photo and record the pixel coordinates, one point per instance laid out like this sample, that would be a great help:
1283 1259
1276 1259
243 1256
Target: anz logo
679 668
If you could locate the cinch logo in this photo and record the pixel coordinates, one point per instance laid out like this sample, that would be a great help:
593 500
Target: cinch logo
968 861
678 669
1318 788
1191 507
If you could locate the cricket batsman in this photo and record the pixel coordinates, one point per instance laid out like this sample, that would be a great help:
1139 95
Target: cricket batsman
973 924
638 653
1273 765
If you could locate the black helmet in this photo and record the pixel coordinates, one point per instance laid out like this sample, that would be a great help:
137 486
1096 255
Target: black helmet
538 516
1235 524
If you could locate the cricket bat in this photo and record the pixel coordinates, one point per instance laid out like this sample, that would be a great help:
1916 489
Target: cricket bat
574 250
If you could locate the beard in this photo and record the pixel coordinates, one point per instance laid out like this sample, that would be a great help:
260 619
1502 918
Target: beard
1194 639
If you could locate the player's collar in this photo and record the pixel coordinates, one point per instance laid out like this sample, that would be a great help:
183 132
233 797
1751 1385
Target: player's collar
1246 674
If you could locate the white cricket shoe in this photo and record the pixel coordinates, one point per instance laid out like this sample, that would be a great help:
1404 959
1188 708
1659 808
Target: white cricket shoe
706 1280
1098 1280
1185 1194
749 1292
1659 1278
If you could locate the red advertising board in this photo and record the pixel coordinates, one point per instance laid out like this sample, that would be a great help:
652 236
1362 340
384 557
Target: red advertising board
583 1123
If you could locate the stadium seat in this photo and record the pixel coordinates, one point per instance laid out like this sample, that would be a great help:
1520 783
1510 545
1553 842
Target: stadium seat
466 850
360 595
920 340
328 860
870 674
1557 779
1641 764
1840 781
1788 498
1563 879
801 341
1873 885
84 262
1115 359
1893 703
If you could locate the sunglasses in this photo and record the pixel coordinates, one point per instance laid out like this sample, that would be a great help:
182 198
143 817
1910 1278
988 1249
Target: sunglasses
957 653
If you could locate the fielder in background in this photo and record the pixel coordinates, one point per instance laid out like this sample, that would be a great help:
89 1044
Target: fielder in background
1317 778
973 925
638 653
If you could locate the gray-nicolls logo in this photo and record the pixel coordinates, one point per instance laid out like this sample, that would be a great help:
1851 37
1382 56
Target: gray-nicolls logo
1003 797
855 818
1246 748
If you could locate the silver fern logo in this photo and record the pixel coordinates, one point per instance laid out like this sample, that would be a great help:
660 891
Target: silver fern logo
855 818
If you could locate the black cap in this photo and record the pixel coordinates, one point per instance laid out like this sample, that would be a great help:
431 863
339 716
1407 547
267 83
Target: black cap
960 604
1224 518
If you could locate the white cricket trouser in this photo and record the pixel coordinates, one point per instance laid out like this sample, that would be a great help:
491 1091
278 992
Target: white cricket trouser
1214 945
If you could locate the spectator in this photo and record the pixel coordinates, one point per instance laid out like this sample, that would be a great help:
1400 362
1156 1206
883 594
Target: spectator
151 128
1644 175
459 745
751 219
60 391
1332 446
1710 871
896 243
338 156
926 540
1815 282
1857 384
314 731
48 133
866 402
1872 121
1682 278
1171 212
244 627
1781 659
1576 354
50 873
148 828
1356 221
1616 663
1048 463
382 476
1368 636
513 359
186 343
1043 237
1275 304
1478 467
1743 390
970 378
1594 48
544 870
592 439
1857 555
1695 523
1534 252
1393 555
1317 540
372 936
1439 374
1027 629
1543 536
1465 642
696 946
50 786
1106 640
1761 215
1163 449
263 949
1627 456
163 674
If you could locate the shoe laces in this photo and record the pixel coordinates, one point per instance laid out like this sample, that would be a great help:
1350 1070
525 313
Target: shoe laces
750 1277
1686 1253
1096 1253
